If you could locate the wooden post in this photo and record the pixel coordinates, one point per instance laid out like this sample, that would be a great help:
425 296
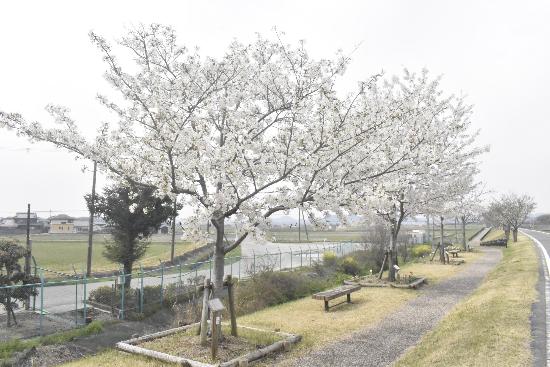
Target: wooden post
216 306
215 339
231 299
204 316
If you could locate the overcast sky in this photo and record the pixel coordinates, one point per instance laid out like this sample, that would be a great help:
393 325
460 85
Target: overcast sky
496 52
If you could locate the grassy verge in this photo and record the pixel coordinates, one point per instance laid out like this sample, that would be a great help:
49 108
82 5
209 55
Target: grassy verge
307 317
7 349
491 327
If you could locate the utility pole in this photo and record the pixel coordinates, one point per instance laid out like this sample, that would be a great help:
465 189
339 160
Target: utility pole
456 231
174 230
29 249
91 225
299 226
305 225
29 252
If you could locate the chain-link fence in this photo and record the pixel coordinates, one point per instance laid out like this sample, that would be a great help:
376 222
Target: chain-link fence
51 306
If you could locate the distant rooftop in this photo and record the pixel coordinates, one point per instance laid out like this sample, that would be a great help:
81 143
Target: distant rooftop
62 216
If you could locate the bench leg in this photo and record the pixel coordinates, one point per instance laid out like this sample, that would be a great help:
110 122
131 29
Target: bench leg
326 306
349 297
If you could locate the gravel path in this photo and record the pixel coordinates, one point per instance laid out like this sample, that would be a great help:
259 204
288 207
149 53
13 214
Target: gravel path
383 343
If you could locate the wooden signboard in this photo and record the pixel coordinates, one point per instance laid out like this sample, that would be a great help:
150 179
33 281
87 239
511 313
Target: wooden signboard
215 305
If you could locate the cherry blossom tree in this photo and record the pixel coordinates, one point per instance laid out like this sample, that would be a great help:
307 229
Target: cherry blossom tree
256 131
468 208
430 147
510 211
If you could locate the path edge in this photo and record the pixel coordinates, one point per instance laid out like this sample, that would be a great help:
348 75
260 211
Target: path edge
545 289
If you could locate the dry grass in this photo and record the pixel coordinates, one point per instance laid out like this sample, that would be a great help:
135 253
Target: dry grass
307 317
434 271
491 327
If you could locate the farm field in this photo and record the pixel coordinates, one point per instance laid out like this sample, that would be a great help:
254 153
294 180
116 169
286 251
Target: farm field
358 235
57 253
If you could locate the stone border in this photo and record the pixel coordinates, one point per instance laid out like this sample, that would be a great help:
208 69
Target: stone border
131 346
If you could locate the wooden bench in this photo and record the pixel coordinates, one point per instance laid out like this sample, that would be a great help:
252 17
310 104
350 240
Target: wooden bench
345 290
454 252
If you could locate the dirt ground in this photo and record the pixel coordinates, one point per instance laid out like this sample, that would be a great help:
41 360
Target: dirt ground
28 326
52 355
189 347
28 323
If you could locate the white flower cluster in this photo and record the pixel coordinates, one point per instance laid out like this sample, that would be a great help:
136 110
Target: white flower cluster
262 130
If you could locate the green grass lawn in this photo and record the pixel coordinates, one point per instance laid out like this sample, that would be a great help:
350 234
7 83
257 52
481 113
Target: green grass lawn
54 252
492 326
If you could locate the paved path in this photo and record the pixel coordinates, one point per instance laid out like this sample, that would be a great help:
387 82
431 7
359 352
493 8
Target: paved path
540 316
385 342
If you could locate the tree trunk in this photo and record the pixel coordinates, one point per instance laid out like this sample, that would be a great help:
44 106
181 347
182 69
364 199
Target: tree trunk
464 244
8 308
433 233
441 243
392 256
8 298
507 232
515 234
219 257
127 268
428 230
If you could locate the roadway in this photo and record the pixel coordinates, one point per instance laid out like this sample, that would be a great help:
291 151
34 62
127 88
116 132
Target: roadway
540 318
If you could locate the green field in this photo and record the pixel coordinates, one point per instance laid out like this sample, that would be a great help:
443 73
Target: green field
62 254
358 235
285 236
450 234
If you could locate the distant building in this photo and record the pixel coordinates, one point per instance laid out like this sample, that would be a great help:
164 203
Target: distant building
21 218
82 225
62 223
164 228
18 224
